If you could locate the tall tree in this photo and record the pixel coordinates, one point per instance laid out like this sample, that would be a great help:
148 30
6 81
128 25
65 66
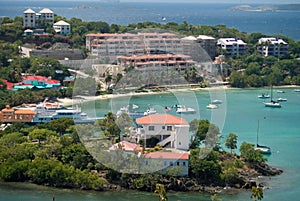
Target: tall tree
231 141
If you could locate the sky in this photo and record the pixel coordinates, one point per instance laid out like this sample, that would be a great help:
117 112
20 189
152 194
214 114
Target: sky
222 1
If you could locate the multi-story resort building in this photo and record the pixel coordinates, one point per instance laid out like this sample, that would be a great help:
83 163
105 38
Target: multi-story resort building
33 19
61 27
179 62
113 45
200 45
272 47
232 46
152 51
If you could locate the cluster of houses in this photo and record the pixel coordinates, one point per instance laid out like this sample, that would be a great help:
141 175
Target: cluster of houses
32 19
167 50
36 82
171 133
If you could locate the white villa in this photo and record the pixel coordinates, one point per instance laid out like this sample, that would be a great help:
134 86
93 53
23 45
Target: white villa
61 27
272 47
169 161
232 46
33 19
171 131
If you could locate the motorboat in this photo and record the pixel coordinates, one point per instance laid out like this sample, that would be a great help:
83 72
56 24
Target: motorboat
185 110
212 106
281 99
216 101
263 96
280 91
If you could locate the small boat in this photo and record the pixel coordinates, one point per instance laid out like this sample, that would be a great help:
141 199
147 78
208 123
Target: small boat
280 91
212 106
281 99
297 90
185 110
263 96
216 101
168 109
264 149
272 103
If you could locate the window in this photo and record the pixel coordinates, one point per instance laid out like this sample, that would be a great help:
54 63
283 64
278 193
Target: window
163 127
169 128
151 128
178 163
171 163
183 163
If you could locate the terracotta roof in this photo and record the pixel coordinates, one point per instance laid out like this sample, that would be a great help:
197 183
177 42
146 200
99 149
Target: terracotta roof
24 111
161 119
168 155
127 146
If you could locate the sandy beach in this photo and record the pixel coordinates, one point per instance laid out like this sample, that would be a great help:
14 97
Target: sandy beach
80 99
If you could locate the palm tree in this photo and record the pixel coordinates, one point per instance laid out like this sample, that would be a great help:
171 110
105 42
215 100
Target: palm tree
161 192
257 193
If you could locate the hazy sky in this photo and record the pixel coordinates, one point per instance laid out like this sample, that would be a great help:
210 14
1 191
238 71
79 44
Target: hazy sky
222 1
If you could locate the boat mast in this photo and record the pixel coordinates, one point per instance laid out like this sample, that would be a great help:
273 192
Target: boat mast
257 132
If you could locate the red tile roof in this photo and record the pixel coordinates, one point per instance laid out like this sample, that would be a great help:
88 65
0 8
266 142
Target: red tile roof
165 119
168 155
127 146
9 85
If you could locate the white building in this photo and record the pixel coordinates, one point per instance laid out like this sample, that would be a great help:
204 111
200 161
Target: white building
232 46
46 15
29 18
272 47
171 131
178 163
33 19
61 27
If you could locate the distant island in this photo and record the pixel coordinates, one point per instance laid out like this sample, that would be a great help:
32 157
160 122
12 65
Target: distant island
282 7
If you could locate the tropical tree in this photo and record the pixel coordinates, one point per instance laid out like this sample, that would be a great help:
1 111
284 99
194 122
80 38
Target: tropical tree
160 191
231 141
257 193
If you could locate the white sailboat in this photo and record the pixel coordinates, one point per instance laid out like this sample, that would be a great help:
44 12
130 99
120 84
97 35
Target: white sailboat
264 149
272 103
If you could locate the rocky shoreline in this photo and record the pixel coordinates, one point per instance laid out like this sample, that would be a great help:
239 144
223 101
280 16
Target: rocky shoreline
248 177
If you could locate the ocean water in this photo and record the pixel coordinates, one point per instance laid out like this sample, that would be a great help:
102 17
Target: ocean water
124 13
241 110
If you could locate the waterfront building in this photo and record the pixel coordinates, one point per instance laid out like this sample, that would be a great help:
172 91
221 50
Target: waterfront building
272 47
232 46
169 161
170 131
61 27
10 115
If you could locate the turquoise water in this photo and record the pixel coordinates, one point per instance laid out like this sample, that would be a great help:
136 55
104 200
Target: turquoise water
279 129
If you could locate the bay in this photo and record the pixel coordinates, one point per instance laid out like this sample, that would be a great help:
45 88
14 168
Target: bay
279 129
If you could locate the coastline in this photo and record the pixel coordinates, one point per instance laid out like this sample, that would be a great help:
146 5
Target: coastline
81 99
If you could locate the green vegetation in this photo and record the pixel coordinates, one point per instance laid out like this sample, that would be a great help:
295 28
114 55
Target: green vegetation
44 154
